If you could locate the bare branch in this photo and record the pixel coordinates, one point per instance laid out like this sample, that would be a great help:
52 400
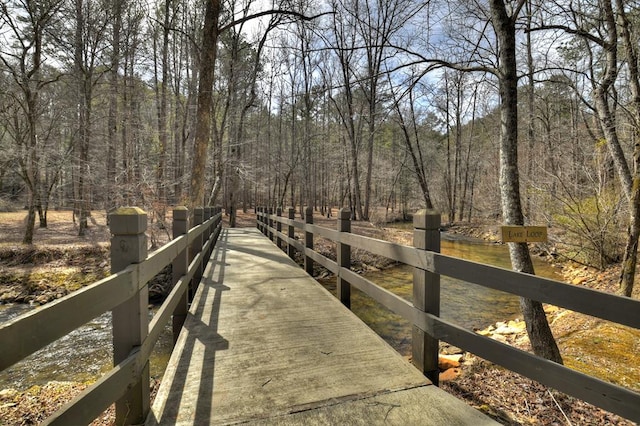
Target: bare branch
292 13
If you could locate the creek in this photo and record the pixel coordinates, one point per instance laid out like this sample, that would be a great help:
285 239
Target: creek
81 356
86 353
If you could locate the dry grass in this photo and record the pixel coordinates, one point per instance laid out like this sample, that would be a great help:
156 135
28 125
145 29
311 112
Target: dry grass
60 230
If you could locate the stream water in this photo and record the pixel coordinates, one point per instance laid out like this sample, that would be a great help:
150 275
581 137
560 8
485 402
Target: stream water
86 353
82 355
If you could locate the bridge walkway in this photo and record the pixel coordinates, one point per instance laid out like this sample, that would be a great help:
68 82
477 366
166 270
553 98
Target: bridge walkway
264 343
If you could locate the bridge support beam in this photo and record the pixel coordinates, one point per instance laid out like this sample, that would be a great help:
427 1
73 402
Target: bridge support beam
426 294
131 318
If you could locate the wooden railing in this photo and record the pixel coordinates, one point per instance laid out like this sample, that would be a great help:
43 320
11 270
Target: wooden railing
125 292
423 313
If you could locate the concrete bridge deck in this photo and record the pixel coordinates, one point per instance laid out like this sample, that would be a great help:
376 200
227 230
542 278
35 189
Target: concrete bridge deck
264 343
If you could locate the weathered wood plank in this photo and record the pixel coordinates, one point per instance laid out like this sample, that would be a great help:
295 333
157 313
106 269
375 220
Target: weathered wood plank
163 315
325 262
198 230
622 310
343 256
297 244
32 331
330 234
159 259
383 296
398 252
287 221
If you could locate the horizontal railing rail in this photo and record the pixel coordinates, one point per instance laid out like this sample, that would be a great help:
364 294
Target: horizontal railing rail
432 264
34 330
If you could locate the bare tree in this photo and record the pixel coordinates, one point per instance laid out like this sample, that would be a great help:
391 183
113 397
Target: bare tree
503 23
408 122
161 82
113 112
630 260
599 29
344 44
502 17
25 26
88 44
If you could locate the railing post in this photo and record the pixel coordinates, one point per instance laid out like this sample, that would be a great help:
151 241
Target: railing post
308 240
291 214
258 218
261 219
343 288
265 229
426 293
131 318
196 246
270 222
279 228
207 216
217 224
212 229
179 267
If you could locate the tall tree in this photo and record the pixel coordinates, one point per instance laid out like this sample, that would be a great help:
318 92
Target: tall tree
378 22
630 259
502 16
344 44
600 29
90 24
504 24
113 112
408 122
25 24
162 81
208 54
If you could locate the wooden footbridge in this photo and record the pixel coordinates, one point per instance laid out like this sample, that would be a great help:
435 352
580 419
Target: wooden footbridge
265 343
258 341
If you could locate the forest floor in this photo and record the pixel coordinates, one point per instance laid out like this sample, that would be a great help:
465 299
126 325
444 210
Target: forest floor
59 262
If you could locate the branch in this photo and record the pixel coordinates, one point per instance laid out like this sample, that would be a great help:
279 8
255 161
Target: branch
442 63
271 12
517 9
569 30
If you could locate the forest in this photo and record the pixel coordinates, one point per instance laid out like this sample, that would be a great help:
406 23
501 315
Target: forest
518 112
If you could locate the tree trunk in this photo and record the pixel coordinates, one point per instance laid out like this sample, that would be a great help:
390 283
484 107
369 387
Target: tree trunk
538 329
161 102
30 221
415 152
83 87
630 260
112 120
205 100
